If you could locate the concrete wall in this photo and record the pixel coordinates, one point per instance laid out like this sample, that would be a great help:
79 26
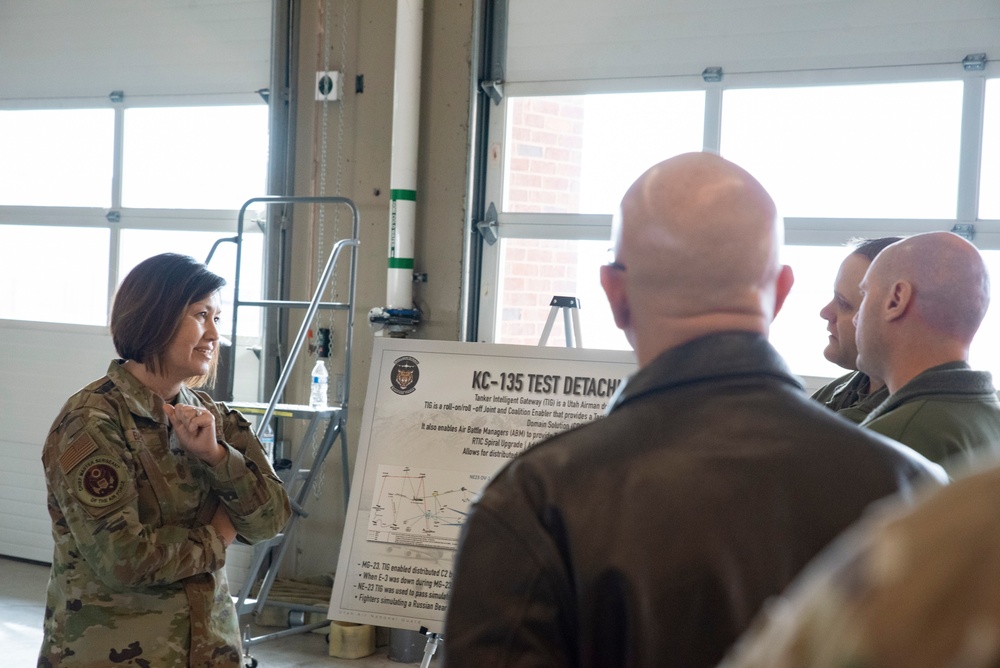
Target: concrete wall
358 143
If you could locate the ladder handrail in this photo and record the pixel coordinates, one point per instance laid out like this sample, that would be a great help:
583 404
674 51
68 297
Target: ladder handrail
314 304
300 338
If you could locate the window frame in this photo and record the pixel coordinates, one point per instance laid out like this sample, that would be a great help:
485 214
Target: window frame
798 231
117 218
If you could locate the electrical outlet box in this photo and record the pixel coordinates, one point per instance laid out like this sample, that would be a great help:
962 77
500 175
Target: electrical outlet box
328 86
323 342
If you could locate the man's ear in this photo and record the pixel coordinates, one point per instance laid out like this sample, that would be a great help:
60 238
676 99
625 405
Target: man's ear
786 278
898 300
613 282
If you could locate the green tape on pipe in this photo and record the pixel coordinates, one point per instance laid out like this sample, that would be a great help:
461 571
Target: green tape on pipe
409 195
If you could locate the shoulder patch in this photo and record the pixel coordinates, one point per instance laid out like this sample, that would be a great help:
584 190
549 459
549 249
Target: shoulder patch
100 482
106 387
77 451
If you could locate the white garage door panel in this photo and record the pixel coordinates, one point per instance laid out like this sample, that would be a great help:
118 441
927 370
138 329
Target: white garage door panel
24 531
42 366
580 40
56 54
24 519
21 475
81 49
37 407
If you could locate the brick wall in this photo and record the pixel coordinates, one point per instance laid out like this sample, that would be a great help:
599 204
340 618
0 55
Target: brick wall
545 166
535 270
545 155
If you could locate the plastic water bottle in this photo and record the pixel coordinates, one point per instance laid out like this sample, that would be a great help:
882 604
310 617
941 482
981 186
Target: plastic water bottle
318 388
267 440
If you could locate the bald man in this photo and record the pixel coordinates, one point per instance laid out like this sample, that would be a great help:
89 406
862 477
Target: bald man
651 537
855 394
923 300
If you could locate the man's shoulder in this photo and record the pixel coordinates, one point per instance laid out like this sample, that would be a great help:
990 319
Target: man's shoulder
830 427
928 419
544 466
827 392
554 448
777 406
836 437
931 408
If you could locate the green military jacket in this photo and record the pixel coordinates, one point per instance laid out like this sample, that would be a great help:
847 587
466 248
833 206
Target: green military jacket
138 575
949 413
849 397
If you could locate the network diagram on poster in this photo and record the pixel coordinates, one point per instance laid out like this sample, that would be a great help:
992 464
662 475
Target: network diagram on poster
420 506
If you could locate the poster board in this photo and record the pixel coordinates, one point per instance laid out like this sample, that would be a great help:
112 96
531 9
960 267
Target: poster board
440 419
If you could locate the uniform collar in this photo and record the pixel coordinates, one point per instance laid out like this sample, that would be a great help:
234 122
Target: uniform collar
141 400
950 378
716 356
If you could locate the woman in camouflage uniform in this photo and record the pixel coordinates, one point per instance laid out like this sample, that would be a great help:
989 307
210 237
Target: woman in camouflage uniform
149 481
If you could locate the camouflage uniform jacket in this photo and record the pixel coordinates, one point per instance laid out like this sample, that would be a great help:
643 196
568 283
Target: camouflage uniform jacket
905 588
138 575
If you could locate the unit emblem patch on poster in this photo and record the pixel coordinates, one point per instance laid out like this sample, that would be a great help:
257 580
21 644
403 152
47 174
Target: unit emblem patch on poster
404 375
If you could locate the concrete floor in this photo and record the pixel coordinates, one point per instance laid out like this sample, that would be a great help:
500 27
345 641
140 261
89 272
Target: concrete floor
22 607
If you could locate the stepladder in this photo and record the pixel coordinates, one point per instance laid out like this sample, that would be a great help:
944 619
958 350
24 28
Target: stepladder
324 426
298 478
570 309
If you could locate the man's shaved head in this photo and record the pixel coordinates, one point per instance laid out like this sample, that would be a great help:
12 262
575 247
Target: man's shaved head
924 299
950 279
697 238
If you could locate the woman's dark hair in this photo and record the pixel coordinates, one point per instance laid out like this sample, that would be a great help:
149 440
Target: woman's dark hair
151 302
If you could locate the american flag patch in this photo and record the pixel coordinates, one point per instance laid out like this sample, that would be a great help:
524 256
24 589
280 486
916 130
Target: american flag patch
78 450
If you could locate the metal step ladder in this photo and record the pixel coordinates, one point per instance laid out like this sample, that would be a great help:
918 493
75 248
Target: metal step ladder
298 483
570 307
332 421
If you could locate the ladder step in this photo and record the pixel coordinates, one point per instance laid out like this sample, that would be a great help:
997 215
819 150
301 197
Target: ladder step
285 410
248 605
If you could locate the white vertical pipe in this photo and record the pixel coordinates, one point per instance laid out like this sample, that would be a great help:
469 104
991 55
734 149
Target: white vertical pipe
403 169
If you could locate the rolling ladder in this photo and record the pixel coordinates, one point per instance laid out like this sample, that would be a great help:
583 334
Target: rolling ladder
330 421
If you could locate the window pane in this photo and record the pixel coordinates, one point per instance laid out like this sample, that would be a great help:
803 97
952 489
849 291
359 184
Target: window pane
194 157
534 271
68 282
989 187
798 332
56 157
578 154
137 245
872 151
984 353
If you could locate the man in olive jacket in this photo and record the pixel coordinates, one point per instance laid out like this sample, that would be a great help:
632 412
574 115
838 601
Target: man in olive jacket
923 300
853 395
652 536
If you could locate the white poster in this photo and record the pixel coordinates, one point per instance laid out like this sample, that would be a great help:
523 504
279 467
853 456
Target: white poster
440 419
